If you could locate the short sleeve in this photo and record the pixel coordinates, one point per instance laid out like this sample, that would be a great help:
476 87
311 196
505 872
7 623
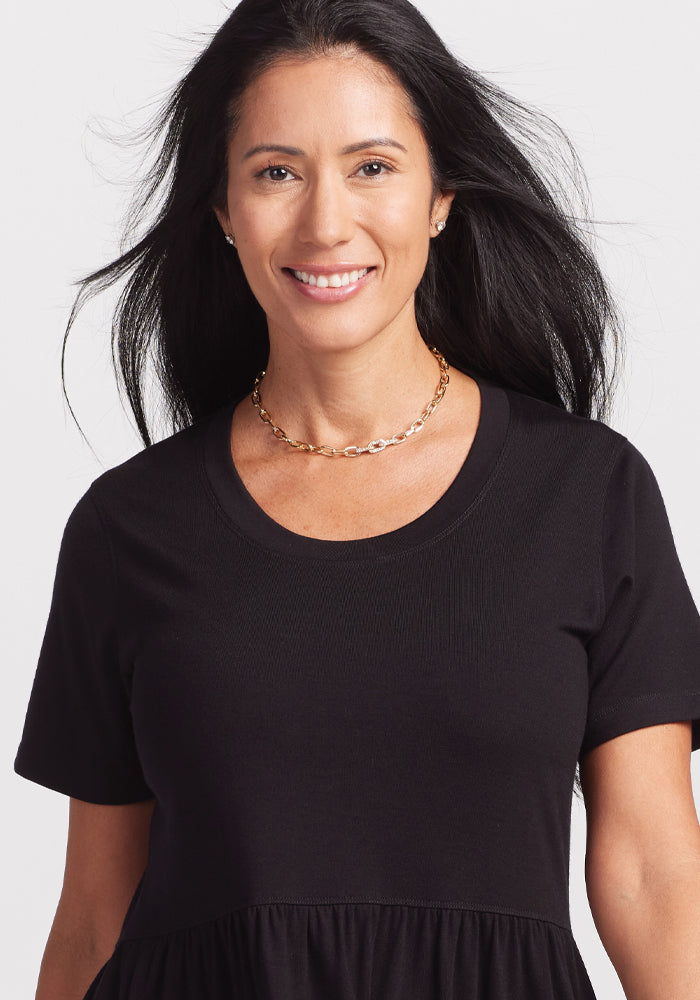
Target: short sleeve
78 737
644 661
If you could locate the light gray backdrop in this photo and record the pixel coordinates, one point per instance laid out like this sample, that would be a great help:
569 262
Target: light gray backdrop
621 80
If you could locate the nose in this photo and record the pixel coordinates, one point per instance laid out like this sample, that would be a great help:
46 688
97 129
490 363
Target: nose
326 215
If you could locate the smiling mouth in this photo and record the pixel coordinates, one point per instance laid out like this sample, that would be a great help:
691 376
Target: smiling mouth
337 280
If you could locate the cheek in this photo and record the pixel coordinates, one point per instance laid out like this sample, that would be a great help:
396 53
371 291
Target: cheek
253 223
403 234
403 221
258 229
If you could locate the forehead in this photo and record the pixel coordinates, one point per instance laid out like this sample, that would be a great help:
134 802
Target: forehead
343 94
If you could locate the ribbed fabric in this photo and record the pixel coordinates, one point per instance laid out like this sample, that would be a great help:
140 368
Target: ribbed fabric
362 752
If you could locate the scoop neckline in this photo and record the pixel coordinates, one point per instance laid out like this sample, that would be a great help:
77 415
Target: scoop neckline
249 519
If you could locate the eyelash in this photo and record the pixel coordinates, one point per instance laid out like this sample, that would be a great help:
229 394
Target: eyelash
281 166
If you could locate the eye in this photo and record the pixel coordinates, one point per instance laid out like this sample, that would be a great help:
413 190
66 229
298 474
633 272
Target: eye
275 172
374 168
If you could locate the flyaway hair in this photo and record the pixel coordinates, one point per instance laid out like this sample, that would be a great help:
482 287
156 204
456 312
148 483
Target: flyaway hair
511 290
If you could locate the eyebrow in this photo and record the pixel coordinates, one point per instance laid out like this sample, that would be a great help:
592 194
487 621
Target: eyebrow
355 147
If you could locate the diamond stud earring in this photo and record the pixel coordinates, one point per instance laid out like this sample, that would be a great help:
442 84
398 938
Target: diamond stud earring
440 225
230 239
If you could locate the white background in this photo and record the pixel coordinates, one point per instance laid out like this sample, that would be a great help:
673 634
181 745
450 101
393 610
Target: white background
620 78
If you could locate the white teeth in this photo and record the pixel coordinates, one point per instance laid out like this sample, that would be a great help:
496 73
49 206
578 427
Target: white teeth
330 280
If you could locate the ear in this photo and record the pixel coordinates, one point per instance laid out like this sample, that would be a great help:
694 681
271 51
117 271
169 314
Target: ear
441 208
222 216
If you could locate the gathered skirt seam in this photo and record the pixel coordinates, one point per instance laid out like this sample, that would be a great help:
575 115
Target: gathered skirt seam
357 900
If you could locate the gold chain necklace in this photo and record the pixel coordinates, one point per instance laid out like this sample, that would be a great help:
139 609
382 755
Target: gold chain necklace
353 450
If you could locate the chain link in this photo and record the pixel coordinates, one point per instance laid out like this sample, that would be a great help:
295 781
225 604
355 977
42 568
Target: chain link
352 451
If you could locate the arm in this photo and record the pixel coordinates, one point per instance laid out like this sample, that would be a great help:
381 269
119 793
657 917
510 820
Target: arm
643 860
106 854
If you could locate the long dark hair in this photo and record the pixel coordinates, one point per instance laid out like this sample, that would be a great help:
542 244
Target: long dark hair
512 289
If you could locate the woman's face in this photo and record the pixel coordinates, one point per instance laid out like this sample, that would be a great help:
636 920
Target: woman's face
330 200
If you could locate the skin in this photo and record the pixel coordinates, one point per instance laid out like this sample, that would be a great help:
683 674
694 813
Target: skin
106 855
337 371
346 373
341 373
643 860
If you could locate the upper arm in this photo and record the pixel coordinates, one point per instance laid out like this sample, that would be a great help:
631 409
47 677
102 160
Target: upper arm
106 854
642 825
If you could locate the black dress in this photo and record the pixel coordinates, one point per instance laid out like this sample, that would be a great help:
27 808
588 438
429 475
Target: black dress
362 752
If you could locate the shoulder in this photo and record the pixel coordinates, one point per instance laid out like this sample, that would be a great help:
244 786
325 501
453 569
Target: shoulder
579 460
161 480
553 431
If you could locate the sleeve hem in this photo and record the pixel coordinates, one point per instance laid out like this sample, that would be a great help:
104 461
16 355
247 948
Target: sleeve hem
76 790
639 713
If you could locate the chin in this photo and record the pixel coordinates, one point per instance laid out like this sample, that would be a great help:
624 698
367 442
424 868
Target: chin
330 336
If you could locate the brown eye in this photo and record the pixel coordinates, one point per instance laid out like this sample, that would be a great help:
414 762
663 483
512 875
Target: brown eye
275 173
374 168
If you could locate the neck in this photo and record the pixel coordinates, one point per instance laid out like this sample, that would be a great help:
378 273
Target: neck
349 396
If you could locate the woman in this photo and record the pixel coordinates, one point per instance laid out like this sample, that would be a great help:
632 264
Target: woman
319 720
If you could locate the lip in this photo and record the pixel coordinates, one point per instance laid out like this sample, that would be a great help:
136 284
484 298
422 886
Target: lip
328 294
